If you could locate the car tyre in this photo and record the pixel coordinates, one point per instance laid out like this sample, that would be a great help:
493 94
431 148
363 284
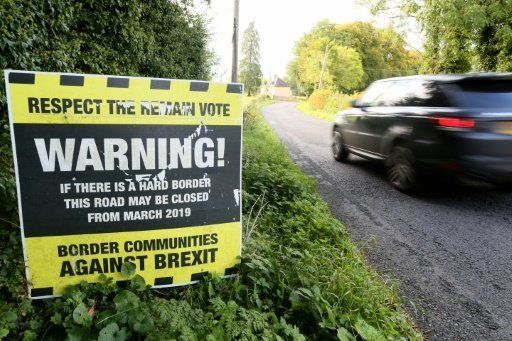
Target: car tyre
401 170
339 151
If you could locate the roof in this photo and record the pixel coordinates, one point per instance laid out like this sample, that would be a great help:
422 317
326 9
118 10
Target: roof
280 83
449 78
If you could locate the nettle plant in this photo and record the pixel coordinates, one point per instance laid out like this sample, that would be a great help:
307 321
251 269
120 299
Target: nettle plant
102 310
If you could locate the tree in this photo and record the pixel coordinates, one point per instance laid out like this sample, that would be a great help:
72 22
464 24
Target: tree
460 35
343 69
250 69
380 53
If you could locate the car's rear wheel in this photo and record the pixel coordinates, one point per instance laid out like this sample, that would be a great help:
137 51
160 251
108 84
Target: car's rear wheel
401 170
339 151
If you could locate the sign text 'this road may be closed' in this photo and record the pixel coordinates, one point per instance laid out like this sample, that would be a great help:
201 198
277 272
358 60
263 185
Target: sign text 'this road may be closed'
122 169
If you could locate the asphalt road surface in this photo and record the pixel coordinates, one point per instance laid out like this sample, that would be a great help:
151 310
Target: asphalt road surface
449 249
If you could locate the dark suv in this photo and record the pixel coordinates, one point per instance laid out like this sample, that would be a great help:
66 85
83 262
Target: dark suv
455 124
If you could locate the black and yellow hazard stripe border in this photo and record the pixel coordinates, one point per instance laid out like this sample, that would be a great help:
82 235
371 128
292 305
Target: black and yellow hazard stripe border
27 77
159 282
24 84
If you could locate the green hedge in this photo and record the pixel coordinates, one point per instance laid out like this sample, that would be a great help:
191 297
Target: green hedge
157 38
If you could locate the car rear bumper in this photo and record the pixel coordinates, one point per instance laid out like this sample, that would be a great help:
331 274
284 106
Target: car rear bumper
495 170
481 156
492 169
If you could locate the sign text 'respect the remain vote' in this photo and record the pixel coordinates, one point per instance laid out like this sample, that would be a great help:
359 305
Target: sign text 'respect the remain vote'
125 169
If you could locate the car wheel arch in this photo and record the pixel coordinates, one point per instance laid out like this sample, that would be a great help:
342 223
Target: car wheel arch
393 140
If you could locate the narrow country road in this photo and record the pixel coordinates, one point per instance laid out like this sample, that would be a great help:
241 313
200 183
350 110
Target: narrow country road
450 249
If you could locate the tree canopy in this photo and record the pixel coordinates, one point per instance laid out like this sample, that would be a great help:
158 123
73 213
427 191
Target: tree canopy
357 54
460 35
250 69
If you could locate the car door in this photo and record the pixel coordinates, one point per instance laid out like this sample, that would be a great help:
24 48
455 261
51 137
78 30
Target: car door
385 114
377 122
357 135
397 109
350 119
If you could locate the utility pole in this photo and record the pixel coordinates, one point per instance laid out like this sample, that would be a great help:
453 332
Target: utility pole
321 82
234 61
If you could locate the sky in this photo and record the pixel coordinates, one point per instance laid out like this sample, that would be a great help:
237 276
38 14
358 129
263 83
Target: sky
280 24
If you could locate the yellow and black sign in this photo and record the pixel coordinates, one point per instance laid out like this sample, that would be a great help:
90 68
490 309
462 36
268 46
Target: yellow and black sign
125 169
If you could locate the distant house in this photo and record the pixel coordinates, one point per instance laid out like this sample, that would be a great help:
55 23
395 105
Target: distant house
276 87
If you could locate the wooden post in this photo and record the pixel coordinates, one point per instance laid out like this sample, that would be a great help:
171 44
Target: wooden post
234 61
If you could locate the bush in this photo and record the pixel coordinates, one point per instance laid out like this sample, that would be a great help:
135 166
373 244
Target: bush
328 102
318 98
338 102
157 38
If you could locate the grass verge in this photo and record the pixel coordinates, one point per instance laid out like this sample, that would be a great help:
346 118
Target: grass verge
300 277
330 290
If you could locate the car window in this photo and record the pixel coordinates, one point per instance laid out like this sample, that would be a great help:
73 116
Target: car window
413 93
482 93
372 94
396 94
